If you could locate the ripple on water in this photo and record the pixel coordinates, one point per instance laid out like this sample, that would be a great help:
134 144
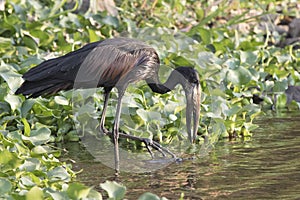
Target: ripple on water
265 167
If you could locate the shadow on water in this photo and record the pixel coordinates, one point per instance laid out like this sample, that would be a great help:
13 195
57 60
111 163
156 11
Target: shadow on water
267 166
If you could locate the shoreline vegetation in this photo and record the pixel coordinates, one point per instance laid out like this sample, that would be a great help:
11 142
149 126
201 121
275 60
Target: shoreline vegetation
247 55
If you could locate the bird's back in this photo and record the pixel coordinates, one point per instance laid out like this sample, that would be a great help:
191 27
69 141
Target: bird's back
98 64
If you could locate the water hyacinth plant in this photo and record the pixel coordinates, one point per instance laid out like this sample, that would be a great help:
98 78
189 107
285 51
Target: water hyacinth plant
232 45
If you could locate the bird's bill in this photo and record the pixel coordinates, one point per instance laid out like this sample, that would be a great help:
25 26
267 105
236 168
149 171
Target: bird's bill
193 95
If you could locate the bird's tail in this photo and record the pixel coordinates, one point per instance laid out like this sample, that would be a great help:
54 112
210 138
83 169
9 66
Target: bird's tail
45 87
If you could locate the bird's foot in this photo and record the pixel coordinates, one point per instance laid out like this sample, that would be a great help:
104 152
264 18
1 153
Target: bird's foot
155 145
149 143
103 130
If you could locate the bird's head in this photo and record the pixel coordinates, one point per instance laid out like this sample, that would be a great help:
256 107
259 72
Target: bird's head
189 79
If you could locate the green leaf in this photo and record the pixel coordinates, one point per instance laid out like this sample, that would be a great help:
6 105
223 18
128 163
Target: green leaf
31 61
43 36
8 73
179 108
57 195
43 149
78 191
181 61
57 5
232 63
283 58
248 57
38 137
200 13
281 101
9 160
14 101
64 128
233 110
172 117
26 127
239 76
26 106
35 193
73 136
27 181
94 195
61 100
30 42
110 20
148 196
4 42
58 173
148 116
280 86
205 35
5 185
30 164
114 190
93 36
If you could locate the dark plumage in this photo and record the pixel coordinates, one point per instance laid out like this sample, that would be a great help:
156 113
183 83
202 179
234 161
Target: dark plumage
112 63
104 63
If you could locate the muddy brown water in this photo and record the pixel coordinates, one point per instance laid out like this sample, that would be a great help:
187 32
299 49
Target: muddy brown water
266 166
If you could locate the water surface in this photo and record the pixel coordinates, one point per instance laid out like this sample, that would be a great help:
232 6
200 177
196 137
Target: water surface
266 166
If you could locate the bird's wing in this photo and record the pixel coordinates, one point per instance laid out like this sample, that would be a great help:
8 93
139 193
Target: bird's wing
106 64
53 67
97 63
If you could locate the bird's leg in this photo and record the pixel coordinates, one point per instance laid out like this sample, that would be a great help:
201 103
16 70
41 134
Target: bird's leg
102 120
115 131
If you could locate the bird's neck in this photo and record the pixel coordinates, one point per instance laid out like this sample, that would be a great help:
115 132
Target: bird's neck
162 88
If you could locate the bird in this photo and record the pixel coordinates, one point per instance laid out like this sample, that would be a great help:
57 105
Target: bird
113 63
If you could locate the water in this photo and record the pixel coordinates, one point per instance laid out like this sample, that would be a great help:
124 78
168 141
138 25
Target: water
266 166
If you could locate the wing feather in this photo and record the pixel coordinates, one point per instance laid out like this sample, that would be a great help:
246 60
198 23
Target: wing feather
97 64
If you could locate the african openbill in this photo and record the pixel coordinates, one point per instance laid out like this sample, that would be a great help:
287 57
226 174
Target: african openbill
113 63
